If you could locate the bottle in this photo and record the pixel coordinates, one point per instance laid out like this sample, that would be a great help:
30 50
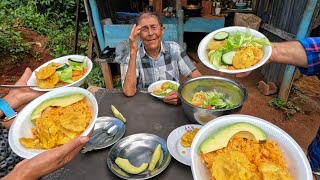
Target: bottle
249 4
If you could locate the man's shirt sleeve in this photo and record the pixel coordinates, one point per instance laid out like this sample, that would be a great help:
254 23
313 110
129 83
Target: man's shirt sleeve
186 66
312 48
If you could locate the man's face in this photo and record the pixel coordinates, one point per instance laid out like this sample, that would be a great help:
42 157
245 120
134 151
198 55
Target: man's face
151 33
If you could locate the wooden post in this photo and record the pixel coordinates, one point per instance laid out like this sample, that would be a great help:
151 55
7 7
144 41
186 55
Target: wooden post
158 6
106 71
90 46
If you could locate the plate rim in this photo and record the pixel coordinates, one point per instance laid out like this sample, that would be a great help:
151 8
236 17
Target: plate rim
159 82
203 44
178 140
130 136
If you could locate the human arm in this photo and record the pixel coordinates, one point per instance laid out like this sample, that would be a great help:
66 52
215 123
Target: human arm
19 97
195 73
130 81
47 161
292 53
188 69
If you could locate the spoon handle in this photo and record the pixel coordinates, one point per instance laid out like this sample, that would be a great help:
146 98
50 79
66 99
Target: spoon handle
15 86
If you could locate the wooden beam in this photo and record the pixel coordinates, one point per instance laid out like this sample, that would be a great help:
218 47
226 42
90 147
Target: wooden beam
278 32
106 71
90 46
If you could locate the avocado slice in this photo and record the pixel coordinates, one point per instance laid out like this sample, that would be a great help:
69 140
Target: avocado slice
161 157
155 158
62 101
117 114
220 139
129 168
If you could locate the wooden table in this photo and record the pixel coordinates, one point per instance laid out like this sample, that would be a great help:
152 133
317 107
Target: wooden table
145 114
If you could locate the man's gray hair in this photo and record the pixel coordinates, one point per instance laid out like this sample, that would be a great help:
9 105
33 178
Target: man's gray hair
148 15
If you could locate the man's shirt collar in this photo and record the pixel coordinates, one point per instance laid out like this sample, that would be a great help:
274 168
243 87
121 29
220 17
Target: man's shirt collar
143 52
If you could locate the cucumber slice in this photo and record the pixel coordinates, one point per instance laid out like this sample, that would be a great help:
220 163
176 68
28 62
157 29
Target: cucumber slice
228 57
62 67
80 61
222 35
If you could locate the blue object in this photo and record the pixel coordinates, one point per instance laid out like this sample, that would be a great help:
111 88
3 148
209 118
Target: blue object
311 46
313 153
6 108
96 22
302 33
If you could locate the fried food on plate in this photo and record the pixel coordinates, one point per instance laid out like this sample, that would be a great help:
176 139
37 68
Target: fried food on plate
58 125
188 136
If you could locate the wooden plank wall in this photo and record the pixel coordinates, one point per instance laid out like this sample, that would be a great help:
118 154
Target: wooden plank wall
285 15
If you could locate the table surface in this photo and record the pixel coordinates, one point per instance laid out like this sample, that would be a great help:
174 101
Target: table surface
144 114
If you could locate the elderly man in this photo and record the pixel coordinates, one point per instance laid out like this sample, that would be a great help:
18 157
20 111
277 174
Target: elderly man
155 59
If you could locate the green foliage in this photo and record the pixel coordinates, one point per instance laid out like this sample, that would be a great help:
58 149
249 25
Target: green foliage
52 18
12 44
277 103
96 77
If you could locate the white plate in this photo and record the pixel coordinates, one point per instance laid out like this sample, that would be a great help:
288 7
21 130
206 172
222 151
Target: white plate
157 85
22 125
33 82
180 153
297 162
203 54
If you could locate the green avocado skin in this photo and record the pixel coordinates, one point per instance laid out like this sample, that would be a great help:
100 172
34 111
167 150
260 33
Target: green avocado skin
62 101
220 139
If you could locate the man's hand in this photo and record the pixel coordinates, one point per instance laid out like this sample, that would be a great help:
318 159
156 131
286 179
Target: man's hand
48 161
133 38
172 98
19 97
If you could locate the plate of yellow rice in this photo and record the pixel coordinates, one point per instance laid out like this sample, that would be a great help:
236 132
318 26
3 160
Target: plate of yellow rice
249 159
56 125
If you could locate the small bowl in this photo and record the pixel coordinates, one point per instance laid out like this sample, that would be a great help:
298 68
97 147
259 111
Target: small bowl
33 82
157 85
22 125
241 5
296 160
203 52
235 92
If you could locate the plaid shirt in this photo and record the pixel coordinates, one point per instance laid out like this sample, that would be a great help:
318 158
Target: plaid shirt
171 61
312 48
314 153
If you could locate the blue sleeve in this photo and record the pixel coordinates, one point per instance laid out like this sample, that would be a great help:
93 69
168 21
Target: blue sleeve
312 48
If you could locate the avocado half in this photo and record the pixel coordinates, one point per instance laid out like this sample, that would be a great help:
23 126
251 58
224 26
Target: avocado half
62 101
220 139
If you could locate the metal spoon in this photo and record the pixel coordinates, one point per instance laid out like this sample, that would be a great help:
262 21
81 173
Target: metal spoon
15 86
104 133
110 133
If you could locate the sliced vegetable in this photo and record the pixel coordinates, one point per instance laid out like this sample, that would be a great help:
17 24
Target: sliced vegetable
215 59
76 64
222 35
65 75
76 60
228 57
211 52
62 67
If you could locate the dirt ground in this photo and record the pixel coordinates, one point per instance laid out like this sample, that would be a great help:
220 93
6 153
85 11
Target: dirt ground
302 127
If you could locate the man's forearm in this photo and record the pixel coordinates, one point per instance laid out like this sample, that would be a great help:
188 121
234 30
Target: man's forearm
130 81
289 53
